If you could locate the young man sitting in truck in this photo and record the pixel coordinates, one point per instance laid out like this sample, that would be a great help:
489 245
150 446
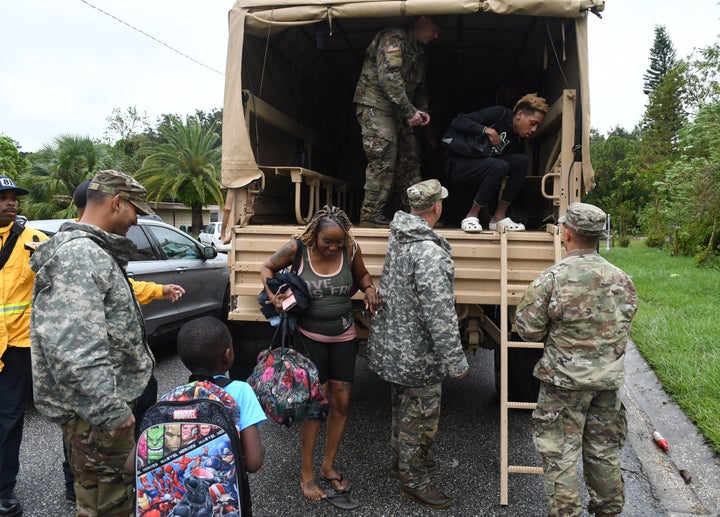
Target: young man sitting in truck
481 165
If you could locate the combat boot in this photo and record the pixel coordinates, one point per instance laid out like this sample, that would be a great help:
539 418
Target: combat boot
376 221
428 496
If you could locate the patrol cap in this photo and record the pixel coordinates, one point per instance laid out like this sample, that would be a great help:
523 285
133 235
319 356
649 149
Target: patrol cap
425 194
8 184
584 218
113 182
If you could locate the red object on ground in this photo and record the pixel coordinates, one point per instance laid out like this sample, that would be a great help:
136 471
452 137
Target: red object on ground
660 441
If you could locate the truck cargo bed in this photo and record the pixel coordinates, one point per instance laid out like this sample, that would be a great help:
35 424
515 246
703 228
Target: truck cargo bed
476 256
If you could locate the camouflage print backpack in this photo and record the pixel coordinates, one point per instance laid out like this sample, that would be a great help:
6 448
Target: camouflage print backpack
287 384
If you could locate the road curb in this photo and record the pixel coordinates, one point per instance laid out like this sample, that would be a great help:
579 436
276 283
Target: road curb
650 408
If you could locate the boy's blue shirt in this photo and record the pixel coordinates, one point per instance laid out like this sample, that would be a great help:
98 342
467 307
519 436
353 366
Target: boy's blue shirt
251 412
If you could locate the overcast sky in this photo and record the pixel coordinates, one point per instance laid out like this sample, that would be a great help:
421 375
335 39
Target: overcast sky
64 65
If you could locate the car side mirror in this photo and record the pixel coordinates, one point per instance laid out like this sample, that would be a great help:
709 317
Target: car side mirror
209 252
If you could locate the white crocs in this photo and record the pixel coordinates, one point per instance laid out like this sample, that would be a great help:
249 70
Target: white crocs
509 225
471 225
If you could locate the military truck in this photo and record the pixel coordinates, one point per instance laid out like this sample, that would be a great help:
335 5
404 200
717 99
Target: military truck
291 143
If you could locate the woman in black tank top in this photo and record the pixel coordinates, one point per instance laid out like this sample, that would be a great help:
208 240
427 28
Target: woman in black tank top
333 269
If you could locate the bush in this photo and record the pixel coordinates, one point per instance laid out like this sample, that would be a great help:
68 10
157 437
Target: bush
655 240
706 258
622 240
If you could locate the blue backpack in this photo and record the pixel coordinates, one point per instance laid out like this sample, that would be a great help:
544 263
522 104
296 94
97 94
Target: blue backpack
189 457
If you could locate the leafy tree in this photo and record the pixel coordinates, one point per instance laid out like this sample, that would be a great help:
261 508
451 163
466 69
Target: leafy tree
663 118
57 169
702 78
662 60
185 166
122 125
692 186
126 132
210 120
11 162
616 182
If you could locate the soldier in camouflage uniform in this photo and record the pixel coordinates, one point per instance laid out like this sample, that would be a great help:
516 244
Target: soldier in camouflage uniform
90 354
391 100
414 340
582 307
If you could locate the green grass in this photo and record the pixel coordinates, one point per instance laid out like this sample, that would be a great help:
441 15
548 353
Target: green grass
677 329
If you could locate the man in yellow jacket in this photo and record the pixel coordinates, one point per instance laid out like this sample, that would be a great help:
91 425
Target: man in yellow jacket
16 284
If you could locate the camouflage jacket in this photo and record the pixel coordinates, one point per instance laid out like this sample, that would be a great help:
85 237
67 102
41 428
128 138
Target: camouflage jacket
393 74
414 338
582 307
90 355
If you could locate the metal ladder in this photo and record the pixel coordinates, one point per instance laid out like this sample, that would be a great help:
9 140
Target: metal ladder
516 291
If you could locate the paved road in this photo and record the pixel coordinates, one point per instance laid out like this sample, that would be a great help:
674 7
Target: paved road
467 451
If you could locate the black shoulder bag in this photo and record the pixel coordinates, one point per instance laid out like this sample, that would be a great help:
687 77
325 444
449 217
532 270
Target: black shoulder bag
467 144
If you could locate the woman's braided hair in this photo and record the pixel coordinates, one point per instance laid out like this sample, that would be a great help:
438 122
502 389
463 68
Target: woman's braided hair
327 215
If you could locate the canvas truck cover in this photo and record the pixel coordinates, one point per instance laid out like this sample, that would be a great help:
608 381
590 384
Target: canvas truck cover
263 18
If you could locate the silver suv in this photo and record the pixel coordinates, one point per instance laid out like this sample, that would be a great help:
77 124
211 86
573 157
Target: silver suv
166 255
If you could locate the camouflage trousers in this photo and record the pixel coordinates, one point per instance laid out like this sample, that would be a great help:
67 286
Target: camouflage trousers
568 422
102 486
415 418
393 156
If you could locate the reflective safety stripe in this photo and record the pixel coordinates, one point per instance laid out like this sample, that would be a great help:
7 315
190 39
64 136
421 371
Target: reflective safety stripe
15 308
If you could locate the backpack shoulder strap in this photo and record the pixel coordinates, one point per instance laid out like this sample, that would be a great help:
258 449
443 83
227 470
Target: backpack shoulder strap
298 255
17 228
221 381
203 375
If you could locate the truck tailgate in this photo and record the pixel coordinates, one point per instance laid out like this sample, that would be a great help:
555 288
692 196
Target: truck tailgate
476 256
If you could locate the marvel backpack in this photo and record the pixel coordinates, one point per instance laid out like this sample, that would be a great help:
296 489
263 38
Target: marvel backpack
287 384
189 457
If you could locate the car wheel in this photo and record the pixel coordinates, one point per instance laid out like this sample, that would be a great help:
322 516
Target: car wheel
224 309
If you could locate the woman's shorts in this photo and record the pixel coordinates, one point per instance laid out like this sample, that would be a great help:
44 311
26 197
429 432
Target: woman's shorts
335 361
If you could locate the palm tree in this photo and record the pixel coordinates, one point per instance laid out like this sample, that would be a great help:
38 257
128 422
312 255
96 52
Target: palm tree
185 167
56 170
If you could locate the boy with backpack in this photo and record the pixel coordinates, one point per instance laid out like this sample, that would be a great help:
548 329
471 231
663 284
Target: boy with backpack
198 442
205 348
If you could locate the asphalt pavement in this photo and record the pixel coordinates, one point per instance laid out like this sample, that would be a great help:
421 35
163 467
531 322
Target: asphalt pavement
467 452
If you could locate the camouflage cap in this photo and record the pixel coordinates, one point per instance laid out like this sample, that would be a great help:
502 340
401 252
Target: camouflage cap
113 182
584 218
425 194
8 184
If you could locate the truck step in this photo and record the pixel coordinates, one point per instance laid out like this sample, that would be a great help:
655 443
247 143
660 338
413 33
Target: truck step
525 344
524 469
521 405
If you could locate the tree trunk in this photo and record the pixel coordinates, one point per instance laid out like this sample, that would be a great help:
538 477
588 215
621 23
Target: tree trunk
197 219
